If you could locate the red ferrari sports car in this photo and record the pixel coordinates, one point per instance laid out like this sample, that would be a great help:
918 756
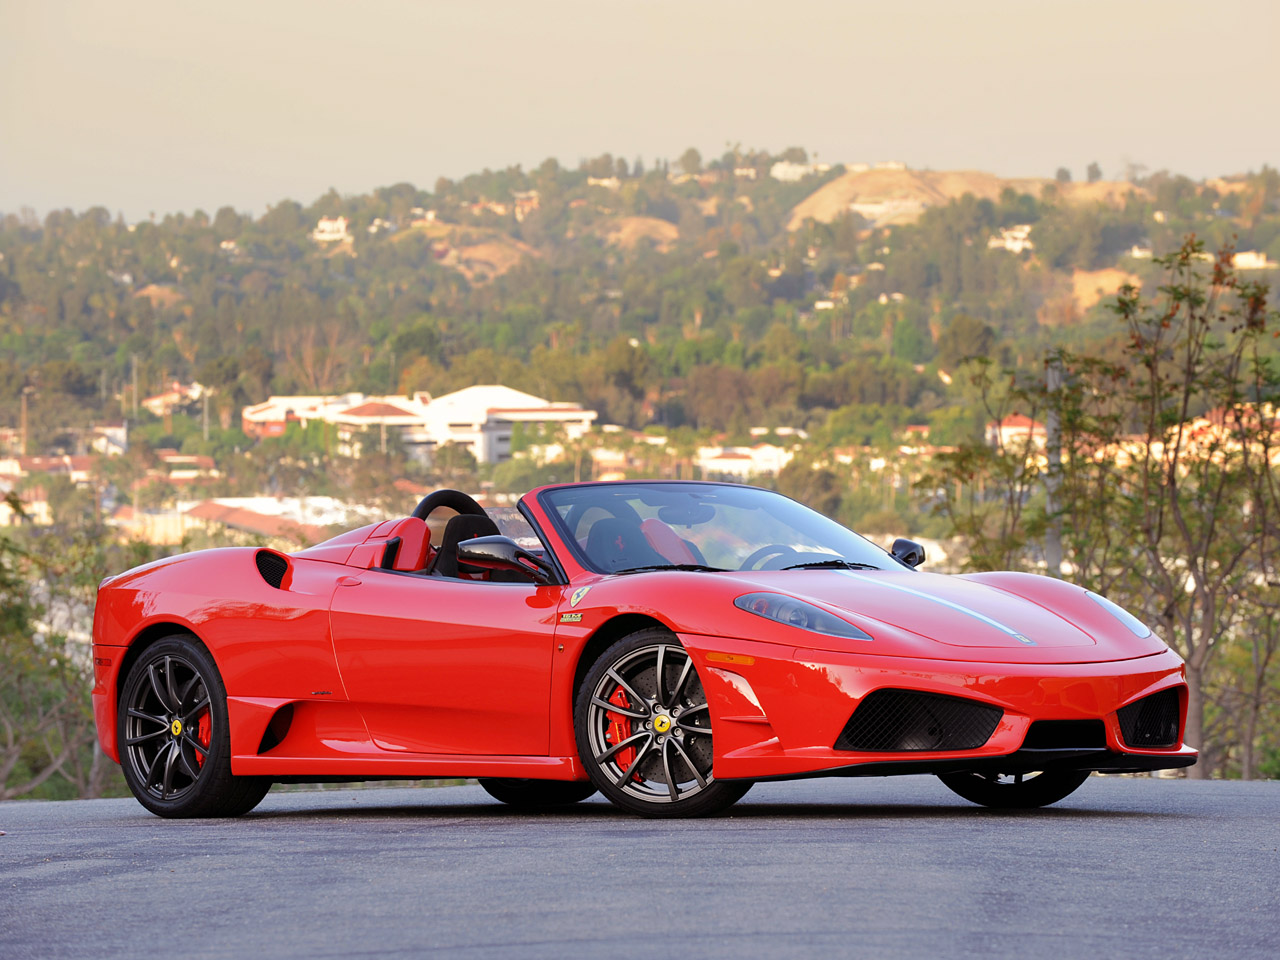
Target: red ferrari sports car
667 643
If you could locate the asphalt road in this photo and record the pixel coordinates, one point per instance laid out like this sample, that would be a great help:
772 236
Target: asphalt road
843 868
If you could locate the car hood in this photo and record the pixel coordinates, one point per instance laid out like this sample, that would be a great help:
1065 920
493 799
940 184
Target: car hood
989 617
946 609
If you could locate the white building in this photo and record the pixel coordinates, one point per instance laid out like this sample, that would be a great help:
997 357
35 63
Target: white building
1015 239
480 418
1252 260
330 229
741 463
789 172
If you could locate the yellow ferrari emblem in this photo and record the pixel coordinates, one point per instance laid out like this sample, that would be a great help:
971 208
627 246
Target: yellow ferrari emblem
176 727
662 723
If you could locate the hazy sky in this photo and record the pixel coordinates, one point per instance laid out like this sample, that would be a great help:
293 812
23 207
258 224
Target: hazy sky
143 105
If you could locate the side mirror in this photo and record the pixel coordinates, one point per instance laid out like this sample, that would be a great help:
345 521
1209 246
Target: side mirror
908 552
503 553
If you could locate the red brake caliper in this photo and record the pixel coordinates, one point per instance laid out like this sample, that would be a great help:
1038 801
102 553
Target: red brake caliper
620 729
204 733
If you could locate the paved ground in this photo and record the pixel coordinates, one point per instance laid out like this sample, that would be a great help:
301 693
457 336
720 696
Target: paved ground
860 868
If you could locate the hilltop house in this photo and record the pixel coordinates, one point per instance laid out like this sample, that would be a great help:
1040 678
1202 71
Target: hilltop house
330 229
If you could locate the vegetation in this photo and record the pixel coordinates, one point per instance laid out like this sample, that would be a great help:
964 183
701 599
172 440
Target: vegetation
674 300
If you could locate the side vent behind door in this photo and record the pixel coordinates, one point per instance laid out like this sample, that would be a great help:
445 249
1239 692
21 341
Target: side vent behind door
272 567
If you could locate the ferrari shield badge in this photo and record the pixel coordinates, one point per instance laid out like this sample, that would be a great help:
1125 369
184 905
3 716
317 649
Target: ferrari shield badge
577 595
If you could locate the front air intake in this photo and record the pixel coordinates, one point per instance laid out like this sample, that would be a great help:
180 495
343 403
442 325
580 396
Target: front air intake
272 567
1152 721
1066 735
906 720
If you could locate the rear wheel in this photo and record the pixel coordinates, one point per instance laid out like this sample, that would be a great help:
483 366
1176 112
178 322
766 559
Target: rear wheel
1014 791
644 730
536 794
175 742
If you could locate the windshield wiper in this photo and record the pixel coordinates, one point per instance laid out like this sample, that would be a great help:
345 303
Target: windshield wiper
673 566
835 563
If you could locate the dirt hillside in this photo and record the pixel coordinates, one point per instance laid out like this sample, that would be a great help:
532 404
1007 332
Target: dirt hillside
626 232
901 196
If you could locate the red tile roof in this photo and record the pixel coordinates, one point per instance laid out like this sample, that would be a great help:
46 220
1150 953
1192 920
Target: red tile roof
257 523
376 410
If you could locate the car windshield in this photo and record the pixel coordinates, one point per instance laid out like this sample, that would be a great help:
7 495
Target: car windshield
626 527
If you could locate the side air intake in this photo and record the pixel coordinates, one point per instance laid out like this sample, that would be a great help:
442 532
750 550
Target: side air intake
1152 721
272 567
903 720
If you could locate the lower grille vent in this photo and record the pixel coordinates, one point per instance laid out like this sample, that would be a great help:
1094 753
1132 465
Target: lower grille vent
1152 721
272 566
1066 735
900 720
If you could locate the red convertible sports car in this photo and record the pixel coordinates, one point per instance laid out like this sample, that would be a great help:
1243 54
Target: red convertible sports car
666 643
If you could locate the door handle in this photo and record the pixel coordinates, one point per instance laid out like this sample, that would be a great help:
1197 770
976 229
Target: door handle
348 581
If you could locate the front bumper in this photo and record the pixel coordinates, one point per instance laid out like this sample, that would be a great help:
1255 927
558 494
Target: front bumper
778 711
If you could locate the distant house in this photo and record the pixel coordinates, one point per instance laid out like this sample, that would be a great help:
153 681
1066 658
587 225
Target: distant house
1252 260
744 173
740 463
183 468
178 395
1015 239
788 171
1139 252
331 230
79 470
110 439
525 202
609 183
1016 429
35 508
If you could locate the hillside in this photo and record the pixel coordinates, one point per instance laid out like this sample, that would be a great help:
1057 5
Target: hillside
895 197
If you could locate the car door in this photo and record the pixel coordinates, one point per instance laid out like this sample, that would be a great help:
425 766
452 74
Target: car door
446 666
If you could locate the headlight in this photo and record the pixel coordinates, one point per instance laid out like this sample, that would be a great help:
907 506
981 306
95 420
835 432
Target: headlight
1136 626
797 613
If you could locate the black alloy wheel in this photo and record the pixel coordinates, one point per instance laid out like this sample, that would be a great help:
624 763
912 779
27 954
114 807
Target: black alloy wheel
537 794
644 730
1015 791
174 739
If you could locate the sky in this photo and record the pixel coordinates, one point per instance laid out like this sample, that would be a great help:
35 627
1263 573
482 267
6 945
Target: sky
143 106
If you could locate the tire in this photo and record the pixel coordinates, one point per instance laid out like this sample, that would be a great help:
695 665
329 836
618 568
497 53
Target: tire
174 738
537 794
666 770
1014 791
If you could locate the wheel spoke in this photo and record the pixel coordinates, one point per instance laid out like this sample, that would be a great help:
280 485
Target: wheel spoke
148 716
630 772
157 687
666 770
688 762
614 708
134 741
191 768
622 745
617 678
657 674
204 751
684 676
204 702
155 762
175 702
170 762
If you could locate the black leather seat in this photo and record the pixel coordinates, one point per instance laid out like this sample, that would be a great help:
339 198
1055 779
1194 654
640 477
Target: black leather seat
614 544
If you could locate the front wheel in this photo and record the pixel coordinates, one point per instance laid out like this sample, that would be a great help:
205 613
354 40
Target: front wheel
644 730
174 738
1014 791
536 794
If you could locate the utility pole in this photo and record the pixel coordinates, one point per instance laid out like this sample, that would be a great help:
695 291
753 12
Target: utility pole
134 358
204 395
1053 479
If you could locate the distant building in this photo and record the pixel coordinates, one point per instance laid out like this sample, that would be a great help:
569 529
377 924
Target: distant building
331 230
1138 252
1015 239
740 463
178 395
79 470
609 183
788 171
1016 429
480 418
1252 260
525 202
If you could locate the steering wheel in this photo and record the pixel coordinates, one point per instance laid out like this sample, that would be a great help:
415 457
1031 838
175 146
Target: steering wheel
772 549
455 500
